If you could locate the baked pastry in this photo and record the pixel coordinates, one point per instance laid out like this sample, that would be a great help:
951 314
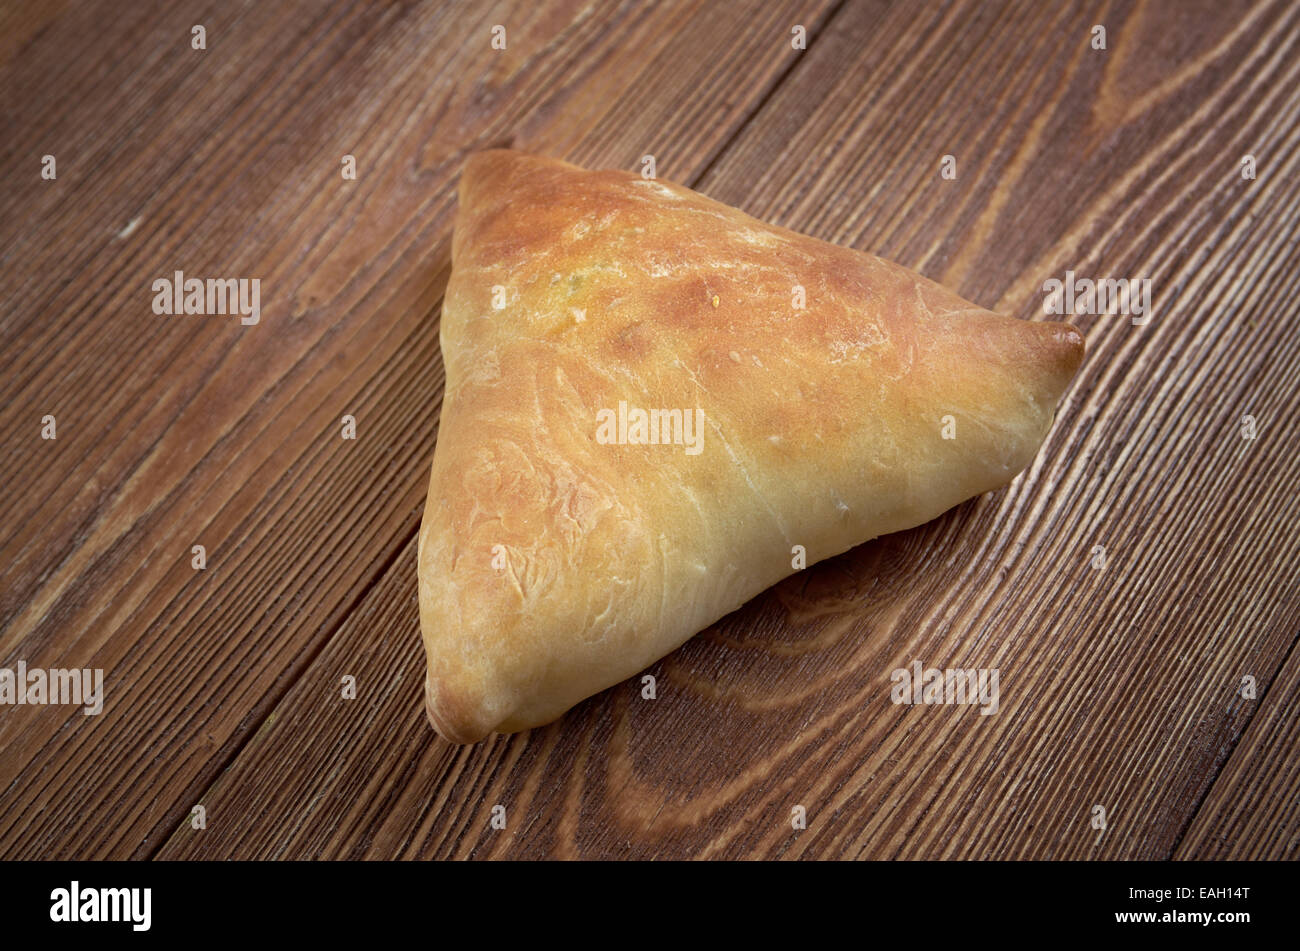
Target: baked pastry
652 399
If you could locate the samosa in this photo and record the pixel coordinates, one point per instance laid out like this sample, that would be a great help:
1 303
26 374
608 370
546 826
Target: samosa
835 397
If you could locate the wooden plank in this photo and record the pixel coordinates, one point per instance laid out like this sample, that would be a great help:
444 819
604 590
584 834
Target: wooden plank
1124 694
176 432
1116 683
1253 809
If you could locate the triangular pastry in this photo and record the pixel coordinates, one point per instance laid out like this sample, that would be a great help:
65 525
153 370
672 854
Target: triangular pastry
652 399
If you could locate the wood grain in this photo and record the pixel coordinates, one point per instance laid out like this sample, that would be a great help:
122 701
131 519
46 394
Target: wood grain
1253 809
199 431
1119 686
1118 682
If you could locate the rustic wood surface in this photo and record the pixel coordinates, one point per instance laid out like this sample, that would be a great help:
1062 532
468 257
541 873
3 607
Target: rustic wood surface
1121 686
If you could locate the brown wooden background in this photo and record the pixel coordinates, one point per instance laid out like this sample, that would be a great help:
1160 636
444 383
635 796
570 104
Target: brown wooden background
1120 686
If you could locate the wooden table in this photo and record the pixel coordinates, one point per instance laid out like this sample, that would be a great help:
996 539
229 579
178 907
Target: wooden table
1121 676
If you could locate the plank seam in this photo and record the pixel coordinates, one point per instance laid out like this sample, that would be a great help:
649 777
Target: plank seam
1236 748
700 175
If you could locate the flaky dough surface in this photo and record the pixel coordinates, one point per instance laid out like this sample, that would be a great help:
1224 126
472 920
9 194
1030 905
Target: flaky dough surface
553 565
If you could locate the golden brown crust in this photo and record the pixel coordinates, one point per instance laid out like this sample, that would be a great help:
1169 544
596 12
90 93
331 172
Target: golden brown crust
552 565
